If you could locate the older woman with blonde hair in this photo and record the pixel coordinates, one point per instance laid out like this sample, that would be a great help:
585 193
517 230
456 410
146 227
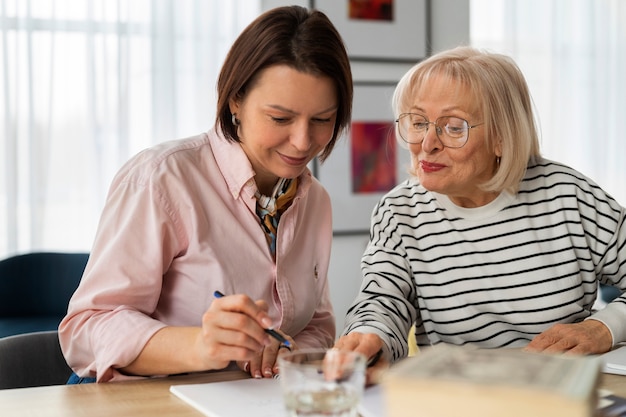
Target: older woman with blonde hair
487 243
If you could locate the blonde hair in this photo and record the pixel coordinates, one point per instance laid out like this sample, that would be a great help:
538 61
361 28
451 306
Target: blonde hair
501 94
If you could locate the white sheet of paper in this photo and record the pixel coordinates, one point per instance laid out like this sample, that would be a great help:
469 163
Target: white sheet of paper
615 361
372 404
244 397
257 397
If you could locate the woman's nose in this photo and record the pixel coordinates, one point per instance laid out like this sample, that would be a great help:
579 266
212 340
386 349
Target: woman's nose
431 140
301 137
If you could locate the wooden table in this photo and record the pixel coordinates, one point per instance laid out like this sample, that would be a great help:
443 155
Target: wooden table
614 383
150 397
137 398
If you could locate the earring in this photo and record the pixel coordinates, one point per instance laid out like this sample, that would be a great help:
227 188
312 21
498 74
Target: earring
498 160
234 119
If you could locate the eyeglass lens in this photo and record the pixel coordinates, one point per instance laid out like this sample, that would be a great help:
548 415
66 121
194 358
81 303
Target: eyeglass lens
451 131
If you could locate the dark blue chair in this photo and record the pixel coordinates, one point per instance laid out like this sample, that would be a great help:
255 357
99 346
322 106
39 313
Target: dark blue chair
608 293
35 289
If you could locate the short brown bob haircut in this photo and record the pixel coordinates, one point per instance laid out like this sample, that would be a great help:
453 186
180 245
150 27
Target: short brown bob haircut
304 40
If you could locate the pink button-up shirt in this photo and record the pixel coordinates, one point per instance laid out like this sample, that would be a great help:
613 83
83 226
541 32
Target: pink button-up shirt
180 223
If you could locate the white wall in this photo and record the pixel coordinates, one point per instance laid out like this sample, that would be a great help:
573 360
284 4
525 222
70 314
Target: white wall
449 24
449 27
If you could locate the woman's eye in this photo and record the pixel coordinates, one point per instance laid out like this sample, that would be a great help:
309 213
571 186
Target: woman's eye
322 120
280 119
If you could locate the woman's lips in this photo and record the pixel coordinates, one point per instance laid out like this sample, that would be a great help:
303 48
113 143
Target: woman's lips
431 166
293 161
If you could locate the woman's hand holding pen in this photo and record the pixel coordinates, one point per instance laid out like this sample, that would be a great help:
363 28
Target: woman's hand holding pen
369 345
235 328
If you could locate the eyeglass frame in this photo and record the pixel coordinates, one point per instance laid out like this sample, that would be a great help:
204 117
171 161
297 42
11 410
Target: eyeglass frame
437 128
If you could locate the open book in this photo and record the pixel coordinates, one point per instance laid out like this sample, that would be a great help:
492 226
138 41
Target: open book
449 381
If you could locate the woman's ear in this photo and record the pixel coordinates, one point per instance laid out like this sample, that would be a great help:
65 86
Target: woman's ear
234 106
498 148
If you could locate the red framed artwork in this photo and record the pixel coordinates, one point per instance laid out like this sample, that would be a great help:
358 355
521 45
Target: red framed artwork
367 161
392 30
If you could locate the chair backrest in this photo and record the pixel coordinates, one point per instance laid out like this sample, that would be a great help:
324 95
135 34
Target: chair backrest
35 289
32 360
39 283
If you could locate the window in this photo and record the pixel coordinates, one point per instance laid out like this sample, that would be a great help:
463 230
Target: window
572 54
87 84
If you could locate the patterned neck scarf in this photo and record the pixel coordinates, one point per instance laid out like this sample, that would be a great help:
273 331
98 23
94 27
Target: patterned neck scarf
269 209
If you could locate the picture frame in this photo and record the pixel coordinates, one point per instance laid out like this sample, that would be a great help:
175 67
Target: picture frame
400 36
367 160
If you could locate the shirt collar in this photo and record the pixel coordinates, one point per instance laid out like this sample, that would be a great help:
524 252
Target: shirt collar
237 170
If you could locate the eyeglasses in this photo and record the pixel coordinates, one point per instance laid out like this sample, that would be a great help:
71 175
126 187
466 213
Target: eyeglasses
453 132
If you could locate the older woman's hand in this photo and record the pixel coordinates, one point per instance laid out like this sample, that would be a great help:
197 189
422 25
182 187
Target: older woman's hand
369 345
586 337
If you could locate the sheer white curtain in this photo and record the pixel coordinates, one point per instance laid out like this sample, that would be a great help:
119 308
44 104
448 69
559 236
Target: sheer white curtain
87 84
573 53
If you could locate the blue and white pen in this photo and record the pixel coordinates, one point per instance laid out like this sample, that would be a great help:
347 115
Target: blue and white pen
271 332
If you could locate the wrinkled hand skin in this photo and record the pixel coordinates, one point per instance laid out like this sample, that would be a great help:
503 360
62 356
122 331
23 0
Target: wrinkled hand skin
585 338
368 345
